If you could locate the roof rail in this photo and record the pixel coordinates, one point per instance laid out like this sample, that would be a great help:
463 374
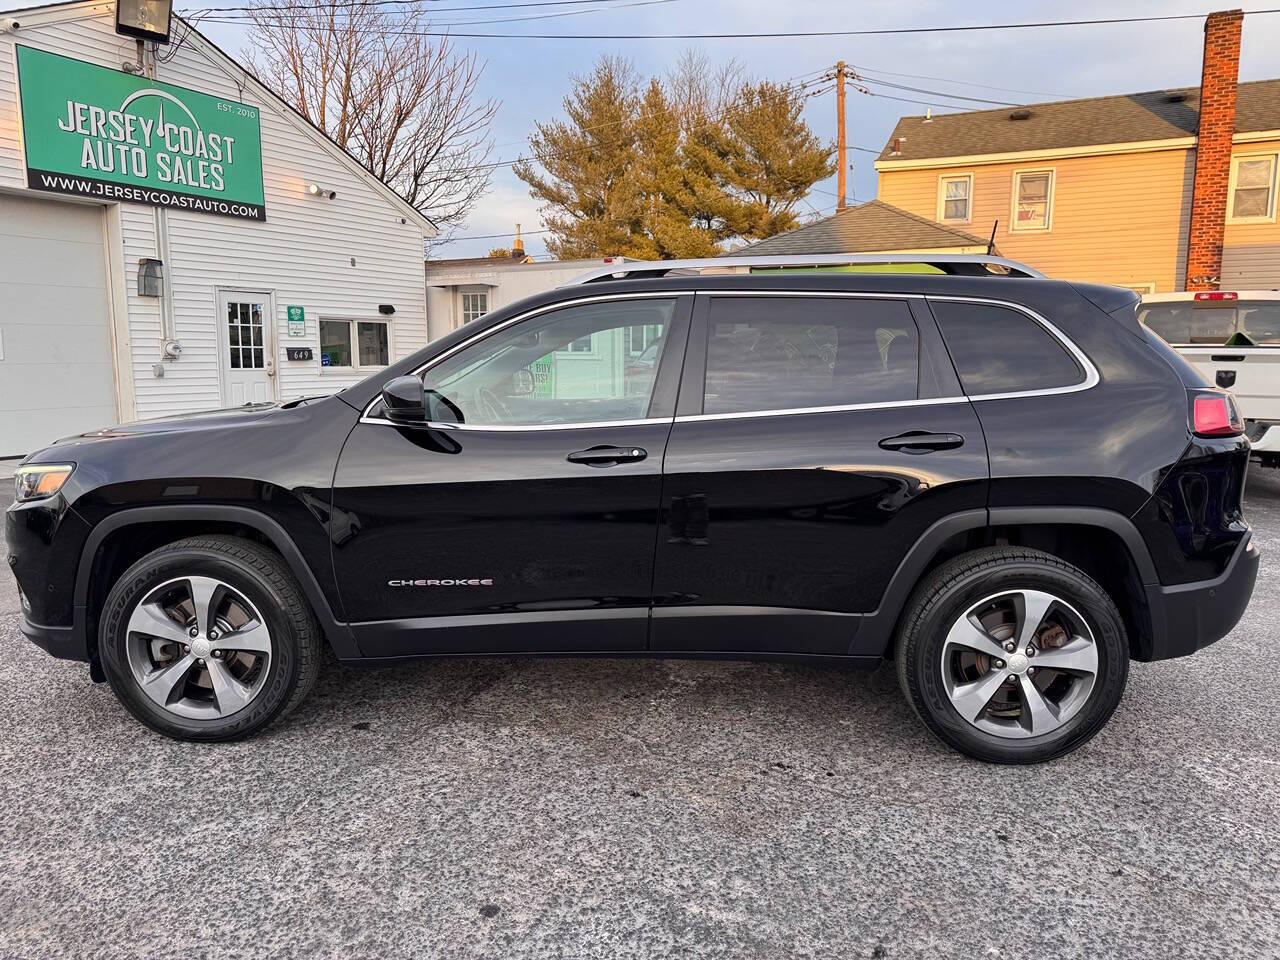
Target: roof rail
961 264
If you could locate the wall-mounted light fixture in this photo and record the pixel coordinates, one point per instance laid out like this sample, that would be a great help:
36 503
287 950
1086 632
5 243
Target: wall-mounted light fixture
318 191
150 277
145 19
386 309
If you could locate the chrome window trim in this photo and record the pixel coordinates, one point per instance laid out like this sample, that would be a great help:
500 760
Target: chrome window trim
1091 376
601 298
793 411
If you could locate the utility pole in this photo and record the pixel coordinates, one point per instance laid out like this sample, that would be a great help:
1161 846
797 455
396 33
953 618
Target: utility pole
841 148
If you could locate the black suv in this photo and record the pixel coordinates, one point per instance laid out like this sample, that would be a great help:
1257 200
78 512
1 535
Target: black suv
1004 484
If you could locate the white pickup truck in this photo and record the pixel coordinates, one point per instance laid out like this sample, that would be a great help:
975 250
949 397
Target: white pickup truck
1233 338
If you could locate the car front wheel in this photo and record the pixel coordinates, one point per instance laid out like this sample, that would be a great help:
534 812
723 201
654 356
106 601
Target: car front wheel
1012 655
209 638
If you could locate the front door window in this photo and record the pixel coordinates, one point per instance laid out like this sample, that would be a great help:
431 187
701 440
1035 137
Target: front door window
244 335
534 373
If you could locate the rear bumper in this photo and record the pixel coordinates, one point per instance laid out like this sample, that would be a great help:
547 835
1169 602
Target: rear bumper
1268 436
1189 616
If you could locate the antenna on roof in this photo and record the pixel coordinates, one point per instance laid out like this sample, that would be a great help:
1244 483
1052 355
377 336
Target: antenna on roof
991 244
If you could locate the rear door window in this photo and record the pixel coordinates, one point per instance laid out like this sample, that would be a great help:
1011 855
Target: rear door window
782 353
1000 350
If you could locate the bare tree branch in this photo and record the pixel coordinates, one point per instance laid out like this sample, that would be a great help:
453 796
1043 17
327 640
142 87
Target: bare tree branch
404 105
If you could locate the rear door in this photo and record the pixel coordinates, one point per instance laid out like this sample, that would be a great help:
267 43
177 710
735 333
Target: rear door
817 438
530 524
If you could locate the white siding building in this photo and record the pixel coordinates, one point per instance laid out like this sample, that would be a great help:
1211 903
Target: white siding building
462 290
82 344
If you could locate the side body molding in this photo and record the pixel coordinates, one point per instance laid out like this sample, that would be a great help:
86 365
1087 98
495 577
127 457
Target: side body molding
338 633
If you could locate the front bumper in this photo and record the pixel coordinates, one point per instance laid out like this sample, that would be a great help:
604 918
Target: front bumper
65 643
1189 616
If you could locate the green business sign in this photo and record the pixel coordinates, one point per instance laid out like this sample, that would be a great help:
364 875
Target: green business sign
101 133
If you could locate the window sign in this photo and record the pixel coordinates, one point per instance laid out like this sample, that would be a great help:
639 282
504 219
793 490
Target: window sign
109 135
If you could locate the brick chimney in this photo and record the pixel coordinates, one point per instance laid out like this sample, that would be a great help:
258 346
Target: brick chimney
1218 80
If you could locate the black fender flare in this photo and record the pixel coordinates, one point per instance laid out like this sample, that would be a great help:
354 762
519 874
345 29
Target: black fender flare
338 633
877 630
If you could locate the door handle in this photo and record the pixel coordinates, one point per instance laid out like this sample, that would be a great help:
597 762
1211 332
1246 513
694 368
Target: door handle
607 456
921 441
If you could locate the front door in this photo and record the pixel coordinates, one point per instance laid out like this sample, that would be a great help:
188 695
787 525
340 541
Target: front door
247 342
817 438
530 524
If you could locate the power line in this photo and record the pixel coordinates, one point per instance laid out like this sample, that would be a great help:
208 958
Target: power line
939 93
300 19
970 83
341 4
809 34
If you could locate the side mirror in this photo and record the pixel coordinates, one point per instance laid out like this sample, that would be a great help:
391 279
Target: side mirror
405 399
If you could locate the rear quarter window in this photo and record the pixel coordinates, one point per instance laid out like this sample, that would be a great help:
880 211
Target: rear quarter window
1000 350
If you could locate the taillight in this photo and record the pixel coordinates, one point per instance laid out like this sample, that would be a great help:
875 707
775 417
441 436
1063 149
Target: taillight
1215 415
1217 295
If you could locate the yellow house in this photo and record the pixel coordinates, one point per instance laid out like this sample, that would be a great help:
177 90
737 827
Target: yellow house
1144 190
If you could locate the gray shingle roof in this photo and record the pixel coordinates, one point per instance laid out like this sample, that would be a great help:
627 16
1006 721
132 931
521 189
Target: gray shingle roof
1127 118
867 228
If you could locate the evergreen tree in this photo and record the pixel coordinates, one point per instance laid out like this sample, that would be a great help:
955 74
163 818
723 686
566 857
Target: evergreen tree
589 203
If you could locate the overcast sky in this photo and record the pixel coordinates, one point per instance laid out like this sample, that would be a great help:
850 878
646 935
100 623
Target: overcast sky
531 77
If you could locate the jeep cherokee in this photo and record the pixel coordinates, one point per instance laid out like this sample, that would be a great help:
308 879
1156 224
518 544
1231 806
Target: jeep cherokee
1004 484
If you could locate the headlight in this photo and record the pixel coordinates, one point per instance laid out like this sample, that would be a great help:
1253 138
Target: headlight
39 480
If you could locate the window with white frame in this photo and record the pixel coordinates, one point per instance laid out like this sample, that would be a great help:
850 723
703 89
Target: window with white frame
954 195
1032 200
1253 188
475 304
354 344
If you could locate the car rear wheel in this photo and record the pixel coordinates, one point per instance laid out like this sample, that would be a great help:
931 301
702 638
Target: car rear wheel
1012 655
209 638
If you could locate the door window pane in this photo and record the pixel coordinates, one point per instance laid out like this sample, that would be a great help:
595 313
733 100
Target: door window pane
474 305
373 344
245 331
998 350
530 374
781 353
335 343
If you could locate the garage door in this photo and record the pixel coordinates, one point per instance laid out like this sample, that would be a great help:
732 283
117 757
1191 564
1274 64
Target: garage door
55 348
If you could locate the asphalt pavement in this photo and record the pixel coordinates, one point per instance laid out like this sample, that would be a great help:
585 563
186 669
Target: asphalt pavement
623 808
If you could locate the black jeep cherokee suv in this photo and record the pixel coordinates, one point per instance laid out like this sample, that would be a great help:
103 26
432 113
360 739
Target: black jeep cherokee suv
1004 484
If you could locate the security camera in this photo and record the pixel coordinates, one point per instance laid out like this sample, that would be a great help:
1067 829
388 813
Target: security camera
332 194
11 25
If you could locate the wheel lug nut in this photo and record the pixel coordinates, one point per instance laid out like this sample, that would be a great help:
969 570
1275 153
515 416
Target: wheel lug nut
193 632
999 664
217 654
1010 647
1031 651
199 663
213 634
1030 671
186 648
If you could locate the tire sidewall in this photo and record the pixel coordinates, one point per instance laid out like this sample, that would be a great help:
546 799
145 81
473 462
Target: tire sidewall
154 570
1088 599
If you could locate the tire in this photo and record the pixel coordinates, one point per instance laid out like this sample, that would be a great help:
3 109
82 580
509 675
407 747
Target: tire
254 589
936 664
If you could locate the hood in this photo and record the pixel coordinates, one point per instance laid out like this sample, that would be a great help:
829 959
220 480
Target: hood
203 420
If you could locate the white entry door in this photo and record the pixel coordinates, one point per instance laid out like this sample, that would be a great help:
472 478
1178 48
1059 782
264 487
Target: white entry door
248 345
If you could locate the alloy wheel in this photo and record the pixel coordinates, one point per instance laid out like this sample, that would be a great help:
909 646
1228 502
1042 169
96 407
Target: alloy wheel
1019 664
198 648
